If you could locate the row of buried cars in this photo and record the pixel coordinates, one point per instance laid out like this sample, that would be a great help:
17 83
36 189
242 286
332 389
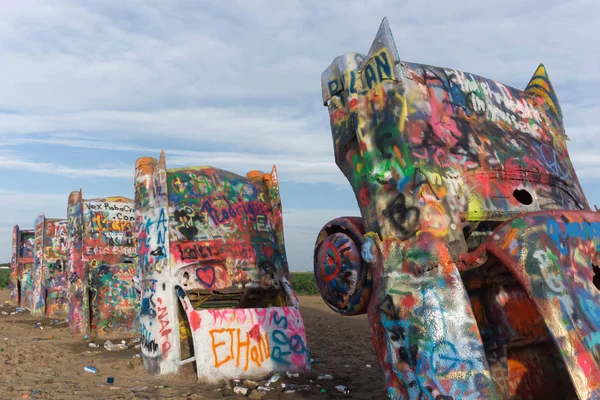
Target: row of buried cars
195 266
476 254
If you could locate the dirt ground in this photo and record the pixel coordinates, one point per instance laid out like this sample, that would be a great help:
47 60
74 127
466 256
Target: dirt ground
46 363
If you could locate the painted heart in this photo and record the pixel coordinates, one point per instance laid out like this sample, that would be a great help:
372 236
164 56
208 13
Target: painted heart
206 275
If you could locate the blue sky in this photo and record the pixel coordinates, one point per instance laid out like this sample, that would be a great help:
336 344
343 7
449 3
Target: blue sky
88 87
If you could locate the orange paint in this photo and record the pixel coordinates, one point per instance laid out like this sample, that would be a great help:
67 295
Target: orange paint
244 347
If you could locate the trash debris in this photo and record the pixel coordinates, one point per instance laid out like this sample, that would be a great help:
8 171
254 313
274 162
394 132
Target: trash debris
93 344
342 389
4 313
289 391
90 369
35 392
160 387
323 391
347 366
138 355
264 388
110 380
313 361
240 390
292 375
272 379
368 365
85 337
325 377
110 346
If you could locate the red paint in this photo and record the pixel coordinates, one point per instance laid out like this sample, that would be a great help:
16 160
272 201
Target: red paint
255 332
268 250
331 259
195 321
206 275
364 196
408 302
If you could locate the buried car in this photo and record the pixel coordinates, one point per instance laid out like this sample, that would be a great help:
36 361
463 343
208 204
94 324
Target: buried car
49 289
102 267
476 249
212 254
21 265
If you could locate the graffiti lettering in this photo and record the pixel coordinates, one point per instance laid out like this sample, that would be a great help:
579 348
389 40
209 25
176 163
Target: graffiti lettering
233 344
163 320
193 251
250 209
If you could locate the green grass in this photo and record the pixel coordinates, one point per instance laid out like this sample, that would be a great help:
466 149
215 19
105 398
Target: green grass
304 283
4 275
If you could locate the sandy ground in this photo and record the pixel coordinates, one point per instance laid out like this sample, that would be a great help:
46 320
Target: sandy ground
48 364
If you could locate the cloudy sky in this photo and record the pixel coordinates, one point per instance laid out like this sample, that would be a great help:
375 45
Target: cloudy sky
88 87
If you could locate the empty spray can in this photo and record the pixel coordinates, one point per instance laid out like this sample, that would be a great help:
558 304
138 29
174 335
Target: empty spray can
342 388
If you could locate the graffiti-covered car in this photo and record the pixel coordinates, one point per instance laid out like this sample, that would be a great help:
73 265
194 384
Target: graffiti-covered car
102 267
211 250
476 249
21 265
49 292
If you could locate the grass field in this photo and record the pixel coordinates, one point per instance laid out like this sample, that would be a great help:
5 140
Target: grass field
304 283
4 274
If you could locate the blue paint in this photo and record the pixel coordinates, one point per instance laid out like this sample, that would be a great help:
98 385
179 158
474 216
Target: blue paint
592 340
366 250
559 232
275 320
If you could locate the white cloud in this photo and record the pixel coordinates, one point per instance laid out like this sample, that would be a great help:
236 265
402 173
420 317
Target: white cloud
18 163
294 168
272 129
246 76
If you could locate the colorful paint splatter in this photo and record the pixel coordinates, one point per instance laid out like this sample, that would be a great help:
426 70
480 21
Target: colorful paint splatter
211 242
49 289
21 265
102 266
481 281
